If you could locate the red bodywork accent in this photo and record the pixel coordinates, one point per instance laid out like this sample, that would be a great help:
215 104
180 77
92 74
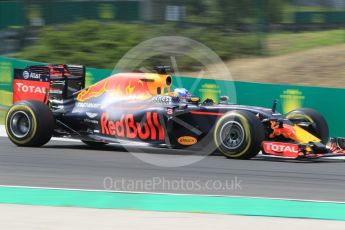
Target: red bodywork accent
286 130
58 70
334 148
207 113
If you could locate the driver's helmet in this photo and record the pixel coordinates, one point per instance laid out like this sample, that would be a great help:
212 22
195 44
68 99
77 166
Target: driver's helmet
181 92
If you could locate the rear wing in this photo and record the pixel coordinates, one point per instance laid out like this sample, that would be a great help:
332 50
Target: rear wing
44 82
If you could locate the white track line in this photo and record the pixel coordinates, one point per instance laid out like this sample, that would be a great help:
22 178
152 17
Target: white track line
3 131
174 194
4 134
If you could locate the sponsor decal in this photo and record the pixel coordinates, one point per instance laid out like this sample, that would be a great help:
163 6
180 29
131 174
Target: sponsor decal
281 149
27 75
23 88
56 91
30 90
187 140
128 127
87 105
91 121
161 99
170 111
91 115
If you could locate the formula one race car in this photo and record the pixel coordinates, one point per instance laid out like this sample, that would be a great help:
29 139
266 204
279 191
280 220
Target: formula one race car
141 108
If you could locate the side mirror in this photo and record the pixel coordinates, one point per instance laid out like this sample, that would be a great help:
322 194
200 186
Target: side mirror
195 100
208 101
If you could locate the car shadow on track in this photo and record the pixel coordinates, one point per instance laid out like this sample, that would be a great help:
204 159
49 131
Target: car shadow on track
305 161
177 152
120 148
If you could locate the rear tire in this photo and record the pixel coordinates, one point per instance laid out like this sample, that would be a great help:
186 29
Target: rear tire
319 127
239 135
30 123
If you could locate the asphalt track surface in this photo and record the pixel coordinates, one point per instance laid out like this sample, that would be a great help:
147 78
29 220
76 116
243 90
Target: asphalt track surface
62 164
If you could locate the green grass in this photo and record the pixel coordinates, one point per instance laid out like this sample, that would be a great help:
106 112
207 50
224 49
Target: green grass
93 43
5 98
288 42
5 101
2 117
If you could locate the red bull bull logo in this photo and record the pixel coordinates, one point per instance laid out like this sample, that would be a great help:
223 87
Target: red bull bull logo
117 85
142 85
285 130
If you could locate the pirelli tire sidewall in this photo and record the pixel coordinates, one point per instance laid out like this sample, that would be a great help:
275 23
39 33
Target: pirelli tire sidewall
41 127
320 127
254 134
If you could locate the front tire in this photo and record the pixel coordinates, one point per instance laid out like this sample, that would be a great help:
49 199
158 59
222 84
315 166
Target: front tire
29 123
239 135
318 128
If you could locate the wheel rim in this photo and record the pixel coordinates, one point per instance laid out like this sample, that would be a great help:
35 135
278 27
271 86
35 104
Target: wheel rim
232 135
20 124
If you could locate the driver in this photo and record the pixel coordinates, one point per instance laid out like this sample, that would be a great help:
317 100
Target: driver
181 93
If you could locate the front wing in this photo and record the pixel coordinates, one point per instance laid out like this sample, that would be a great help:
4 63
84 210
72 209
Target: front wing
312 150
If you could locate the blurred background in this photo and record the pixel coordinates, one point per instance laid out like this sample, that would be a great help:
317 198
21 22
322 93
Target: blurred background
277 41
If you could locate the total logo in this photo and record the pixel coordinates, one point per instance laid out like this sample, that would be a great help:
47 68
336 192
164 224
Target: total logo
27 75
21 87
280 148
